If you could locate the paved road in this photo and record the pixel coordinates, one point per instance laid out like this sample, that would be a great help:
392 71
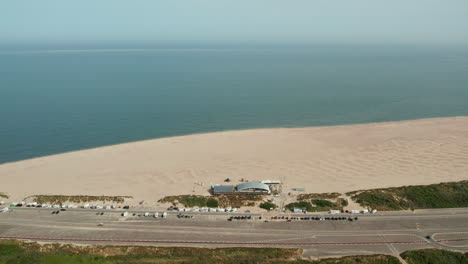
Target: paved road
386 233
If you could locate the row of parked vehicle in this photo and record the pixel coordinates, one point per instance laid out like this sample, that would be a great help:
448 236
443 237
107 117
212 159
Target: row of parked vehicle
203 209
184 216
316 218
70 206
242 217
147 214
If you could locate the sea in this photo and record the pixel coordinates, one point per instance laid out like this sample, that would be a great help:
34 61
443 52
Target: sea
55 101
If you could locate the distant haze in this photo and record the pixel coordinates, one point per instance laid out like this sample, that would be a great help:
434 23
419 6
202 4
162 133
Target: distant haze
241 21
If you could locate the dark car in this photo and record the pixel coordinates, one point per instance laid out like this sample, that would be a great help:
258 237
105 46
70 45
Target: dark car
63 209
126 207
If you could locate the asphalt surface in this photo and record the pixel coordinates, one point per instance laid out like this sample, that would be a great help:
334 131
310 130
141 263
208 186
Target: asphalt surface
383 233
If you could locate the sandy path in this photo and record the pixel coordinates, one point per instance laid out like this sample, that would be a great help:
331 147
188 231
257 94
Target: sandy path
321 159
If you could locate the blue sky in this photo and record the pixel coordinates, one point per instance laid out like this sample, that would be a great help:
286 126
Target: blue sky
234 21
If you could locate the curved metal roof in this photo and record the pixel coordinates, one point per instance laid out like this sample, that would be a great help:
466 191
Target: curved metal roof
253 185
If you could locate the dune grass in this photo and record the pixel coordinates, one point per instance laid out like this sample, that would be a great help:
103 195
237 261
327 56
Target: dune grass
442 195
426 256
318 196
59 199
34 253
224 201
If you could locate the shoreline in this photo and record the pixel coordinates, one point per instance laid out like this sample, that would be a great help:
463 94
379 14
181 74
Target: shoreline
236 130
322 159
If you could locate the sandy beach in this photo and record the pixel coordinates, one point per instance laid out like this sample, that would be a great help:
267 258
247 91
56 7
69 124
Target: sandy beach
320 159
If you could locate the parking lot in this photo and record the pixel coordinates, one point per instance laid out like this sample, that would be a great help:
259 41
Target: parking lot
319 235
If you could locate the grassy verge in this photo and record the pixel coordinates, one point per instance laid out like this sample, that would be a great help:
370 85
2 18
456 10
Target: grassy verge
186 200
317 196
3 195
443 195
213 201
268 206
317 205
33 253
59 199
426 256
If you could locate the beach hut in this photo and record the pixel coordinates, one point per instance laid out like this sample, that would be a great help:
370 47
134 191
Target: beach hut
222 189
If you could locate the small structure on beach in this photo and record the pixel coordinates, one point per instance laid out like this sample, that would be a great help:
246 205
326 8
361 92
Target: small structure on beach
253 187
243 188
271 182
298 189
222 189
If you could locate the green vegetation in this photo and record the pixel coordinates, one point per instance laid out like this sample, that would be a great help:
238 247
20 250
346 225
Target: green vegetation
443 195
59 199
342 202
380 200
213 201
314 205
366 259
323 203
267 206
301 205
33 253
320 201
186 200
426 256
3 195
317 196
239 200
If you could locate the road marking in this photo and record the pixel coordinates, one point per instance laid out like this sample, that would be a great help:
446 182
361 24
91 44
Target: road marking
212 242
393 250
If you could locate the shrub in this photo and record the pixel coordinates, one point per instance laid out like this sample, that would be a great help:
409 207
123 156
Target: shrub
212 203
323 203
343 202
442 195
267 206
434 256
300 205
193 200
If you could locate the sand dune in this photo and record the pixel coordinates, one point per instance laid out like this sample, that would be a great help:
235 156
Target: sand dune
321 159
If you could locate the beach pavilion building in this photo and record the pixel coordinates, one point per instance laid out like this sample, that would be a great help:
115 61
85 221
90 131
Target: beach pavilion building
243 188
253 188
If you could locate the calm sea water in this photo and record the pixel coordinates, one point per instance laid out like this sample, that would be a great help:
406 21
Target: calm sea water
57 102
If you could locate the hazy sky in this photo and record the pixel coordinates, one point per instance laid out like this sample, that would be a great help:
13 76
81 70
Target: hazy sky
243 21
